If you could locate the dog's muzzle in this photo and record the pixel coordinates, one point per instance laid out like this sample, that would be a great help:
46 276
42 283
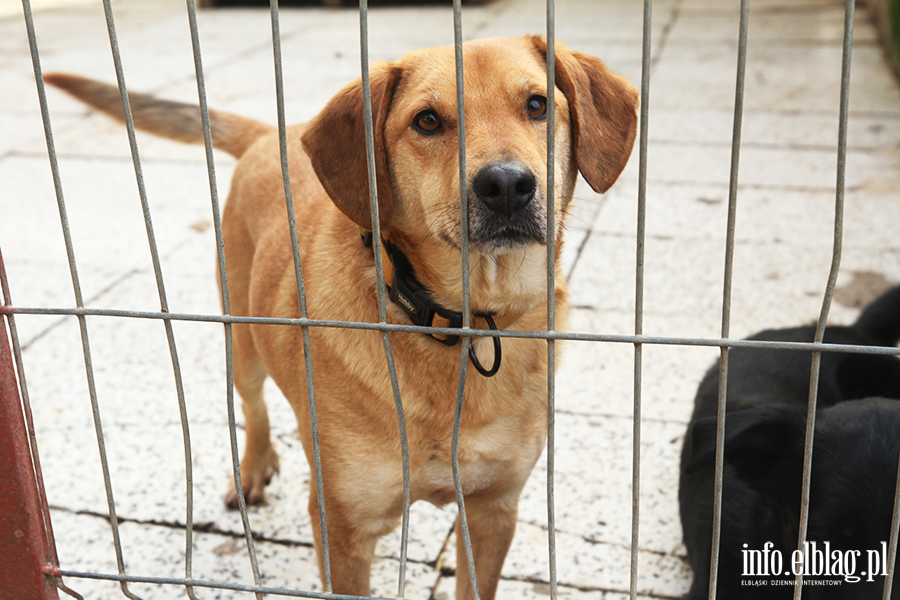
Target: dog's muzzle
506 212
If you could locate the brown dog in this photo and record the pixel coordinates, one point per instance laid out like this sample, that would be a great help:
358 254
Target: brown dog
504 427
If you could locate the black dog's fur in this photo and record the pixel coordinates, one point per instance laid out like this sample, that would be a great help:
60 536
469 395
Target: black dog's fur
856 448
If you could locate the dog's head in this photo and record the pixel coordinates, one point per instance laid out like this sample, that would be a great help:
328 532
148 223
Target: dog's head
854 474
415 133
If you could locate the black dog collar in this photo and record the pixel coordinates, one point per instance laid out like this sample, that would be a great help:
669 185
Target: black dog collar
405 290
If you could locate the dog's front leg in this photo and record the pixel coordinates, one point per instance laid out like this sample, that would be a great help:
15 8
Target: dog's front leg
492 523
260 460
351 546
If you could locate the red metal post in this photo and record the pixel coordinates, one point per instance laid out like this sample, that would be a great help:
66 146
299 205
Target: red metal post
23 538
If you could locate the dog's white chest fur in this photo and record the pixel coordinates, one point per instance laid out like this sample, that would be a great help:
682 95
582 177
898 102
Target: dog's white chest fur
485 455
475 476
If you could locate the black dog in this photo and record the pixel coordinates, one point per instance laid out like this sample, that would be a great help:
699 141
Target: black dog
854 473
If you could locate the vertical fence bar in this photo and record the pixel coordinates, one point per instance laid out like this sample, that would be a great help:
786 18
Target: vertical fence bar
79 302
223 286
639 298
26 544
829 288
380 285
551 291
301 294
161 289
467 318
726 294
892 545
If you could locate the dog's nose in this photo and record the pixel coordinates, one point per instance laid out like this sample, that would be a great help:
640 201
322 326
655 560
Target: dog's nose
504 187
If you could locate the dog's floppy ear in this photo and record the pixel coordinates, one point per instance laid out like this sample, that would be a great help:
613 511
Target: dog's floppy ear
764 445
603 110
335 141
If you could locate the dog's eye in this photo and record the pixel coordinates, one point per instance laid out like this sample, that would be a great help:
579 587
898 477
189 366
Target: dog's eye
427 122
536 107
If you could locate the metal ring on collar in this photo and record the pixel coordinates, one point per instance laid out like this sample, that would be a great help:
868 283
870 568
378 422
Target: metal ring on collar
497 354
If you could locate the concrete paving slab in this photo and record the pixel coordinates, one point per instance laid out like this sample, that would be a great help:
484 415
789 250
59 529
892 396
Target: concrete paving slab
222 559
598 378
702 76
776 285
768 128
21 129
593 474
582 564
770 216
105 221
811 168
526 590
77 40
712 5
766 166
797 23
602 570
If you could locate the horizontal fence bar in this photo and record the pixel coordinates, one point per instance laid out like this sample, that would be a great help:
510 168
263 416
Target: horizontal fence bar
202 583
543 335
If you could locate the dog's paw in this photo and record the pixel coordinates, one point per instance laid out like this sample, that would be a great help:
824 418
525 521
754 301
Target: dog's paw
255 476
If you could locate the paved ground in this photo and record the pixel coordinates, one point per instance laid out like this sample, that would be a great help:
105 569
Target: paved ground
783 253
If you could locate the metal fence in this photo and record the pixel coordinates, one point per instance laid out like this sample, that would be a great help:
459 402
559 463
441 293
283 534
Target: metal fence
638 339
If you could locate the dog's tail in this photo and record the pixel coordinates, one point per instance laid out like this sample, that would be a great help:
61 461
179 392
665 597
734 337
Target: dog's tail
174 120
881 319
